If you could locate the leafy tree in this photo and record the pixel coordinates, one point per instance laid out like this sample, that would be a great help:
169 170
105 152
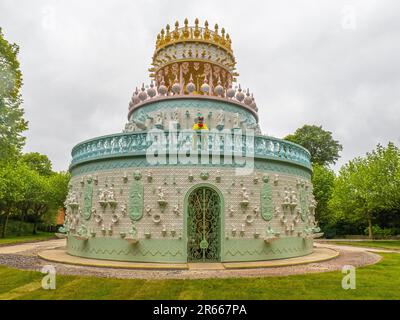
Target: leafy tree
41 199
46 194
323 148
323 181
368 187
12 123
38 162
13 184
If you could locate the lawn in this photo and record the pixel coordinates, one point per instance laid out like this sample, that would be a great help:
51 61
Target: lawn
379 281
391 245
21 239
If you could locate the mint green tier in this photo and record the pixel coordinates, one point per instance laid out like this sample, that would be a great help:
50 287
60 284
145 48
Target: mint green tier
256 205
175 251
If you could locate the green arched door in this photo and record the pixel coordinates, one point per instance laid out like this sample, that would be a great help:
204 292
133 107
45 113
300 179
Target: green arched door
203 225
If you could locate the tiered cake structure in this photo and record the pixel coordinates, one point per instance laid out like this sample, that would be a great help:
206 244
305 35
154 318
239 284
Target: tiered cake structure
228 194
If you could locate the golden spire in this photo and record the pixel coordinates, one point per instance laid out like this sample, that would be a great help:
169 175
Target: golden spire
185 32
223 41
176 31
206 31
196 28
162 41
168 35
216 36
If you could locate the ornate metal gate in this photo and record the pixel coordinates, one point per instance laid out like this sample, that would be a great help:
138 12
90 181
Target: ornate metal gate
203 225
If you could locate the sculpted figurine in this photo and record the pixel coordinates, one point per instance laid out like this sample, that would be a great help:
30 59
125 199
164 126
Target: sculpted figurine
245 195
161 194
236 121
102 195
111 194
175 115
159 119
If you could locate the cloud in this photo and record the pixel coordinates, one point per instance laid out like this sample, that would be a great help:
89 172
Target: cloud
81 61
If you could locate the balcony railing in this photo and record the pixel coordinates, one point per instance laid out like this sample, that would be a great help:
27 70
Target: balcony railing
135 144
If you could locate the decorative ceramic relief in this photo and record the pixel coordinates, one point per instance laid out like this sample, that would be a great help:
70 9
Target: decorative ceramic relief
98 218
162 202
204 175
303 203
82 233
249 219
156 218
267 206
177 210
72 200
218 176
242 230
276 179
245 198
164 231
137 175
270 235
135 205
256 178
125 177
220 120
231 211
87 200
256 210
173 231
149 176
132 237
148 210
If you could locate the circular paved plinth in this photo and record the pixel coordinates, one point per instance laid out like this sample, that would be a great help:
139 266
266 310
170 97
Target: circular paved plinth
61 256
27 257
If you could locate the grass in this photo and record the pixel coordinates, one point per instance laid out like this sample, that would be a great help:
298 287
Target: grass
379 281
391 245
21 239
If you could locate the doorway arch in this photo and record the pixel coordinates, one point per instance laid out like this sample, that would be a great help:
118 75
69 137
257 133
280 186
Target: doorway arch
203 208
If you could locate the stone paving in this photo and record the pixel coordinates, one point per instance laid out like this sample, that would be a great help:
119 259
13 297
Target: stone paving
25 256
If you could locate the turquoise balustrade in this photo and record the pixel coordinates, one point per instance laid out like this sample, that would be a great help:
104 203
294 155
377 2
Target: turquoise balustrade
136 144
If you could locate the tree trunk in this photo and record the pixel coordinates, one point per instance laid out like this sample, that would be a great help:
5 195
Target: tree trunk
3 231
370 235
34 228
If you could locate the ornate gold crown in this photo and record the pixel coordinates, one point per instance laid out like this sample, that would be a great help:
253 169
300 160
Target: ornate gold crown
193 34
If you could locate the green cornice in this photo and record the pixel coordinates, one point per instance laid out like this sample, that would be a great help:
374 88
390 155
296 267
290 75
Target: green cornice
263 164
197 102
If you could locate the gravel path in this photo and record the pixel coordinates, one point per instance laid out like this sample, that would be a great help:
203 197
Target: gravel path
27 259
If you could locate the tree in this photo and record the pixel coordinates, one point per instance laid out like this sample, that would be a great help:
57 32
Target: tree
12 123
323 182
323 148
13 184
368 187
38 162
43 198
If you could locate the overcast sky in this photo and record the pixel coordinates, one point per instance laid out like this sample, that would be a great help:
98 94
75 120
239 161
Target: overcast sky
330 63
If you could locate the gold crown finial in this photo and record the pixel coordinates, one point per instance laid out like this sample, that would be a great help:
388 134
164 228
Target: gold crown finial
172 35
